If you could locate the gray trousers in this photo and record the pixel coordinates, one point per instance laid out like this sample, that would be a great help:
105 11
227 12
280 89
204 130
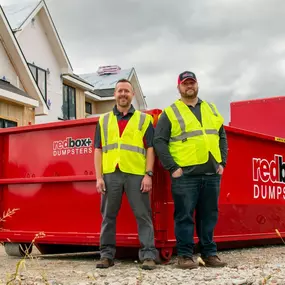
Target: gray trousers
116 183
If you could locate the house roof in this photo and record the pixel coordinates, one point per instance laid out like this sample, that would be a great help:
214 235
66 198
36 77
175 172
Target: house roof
21 13
17 14
94 96
105 92
106 81
5 85
104 85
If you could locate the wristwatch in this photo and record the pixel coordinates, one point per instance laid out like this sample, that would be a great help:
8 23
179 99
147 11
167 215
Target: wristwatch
149 173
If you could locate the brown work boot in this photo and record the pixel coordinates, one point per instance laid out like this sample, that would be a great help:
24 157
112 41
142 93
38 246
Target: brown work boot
185 262
105 263
148 264
214 261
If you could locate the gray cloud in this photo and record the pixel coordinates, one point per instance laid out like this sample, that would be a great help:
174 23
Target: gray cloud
237 49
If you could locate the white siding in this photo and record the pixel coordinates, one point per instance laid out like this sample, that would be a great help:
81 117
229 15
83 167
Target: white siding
37 50
138 94
7 68
135 103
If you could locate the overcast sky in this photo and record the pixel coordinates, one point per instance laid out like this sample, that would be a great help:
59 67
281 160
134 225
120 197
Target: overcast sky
236 48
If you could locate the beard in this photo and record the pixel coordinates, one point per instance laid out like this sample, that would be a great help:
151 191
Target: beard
123 102
189 94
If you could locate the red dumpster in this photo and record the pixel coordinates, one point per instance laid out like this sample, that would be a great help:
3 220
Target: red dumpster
47 173
263 115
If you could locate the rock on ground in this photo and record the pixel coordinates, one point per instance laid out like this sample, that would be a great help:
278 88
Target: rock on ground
247 266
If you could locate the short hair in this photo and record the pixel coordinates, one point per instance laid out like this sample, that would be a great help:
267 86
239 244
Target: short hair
123 80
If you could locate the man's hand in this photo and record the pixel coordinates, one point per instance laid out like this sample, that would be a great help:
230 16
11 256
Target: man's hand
177 173
146 184
220 169
100 185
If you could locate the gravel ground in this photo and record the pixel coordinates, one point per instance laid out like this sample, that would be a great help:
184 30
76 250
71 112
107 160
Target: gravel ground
246 266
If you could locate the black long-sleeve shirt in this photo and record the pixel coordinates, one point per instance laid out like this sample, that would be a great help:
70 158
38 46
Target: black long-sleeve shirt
161 140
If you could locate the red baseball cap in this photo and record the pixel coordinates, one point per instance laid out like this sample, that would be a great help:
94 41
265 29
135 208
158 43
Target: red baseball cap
186 75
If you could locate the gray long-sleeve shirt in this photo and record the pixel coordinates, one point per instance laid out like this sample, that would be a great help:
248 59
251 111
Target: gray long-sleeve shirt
161 141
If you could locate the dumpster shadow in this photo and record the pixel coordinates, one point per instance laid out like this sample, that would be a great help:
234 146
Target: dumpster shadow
248 244
80 256
67 252
75 252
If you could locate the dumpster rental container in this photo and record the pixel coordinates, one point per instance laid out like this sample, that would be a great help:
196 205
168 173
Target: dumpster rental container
47 175
265 115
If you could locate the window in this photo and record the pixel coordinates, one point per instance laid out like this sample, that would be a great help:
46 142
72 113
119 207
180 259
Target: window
40 76
88 108
7 123
69 103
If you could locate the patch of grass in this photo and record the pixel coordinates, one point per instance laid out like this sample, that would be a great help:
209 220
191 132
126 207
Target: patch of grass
15 278
267 278
139 277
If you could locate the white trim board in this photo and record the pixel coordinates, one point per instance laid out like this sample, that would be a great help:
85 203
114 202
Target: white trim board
77 82
17 98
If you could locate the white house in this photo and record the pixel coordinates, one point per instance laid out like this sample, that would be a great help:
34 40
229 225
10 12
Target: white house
36 33
66 95
20 97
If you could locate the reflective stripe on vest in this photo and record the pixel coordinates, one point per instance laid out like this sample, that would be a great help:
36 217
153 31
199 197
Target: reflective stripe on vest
213 109
179 117
185 135
133 148
211 132
105 130
108 147
142 120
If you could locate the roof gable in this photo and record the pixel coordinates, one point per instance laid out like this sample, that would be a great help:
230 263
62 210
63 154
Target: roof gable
17 14
20 15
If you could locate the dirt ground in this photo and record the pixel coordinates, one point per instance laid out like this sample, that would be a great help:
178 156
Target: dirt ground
246 266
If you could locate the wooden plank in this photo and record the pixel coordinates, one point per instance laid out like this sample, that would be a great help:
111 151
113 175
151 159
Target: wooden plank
17 113
28 116
80 104
104 106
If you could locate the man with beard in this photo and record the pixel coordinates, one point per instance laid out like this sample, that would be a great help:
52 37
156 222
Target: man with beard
124 158
191 144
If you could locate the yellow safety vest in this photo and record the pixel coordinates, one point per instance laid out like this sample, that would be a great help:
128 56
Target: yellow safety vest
128 150
190 142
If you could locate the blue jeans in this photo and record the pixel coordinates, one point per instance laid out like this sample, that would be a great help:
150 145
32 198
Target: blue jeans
199 192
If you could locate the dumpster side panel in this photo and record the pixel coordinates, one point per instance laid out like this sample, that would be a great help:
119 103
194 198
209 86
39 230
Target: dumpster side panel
67 210
49 177
252 199
162 204
56 193
261 115
60 152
